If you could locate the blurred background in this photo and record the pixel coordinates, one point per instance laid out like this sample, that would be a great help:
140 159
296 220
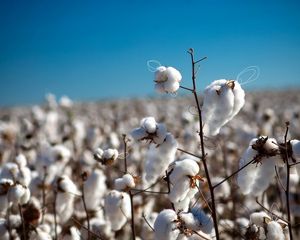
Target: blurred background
93 50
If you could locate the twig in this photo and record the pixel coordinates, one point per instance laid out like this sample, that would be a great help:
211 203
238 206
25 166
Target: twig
270 211
144 217
84 227
186 88
22 220
278 179
211 189
84 178
192 154
293 164
287 188
125 154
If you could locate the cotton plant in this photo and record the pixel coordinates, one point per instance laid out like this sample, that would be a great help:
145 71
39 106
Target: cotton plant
117 209
94 189
18 194
222 100
166 225
126 182
183 176
167 79
262 226
66 193
107 156
257 176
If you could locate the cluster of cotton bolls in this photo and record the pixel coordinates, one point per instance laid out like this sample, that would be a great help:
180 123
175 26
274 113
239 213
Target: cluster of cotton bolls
44 151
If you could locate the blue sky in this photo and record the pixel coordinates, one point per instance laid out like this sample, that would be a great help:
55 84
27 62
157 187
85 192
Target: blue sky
92 50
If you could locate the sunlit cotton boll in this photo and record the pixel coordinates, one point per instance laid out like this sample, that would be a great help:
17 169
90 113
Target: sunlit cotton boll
117 209
150 130
18 194
167 79
159 157
106 157
66 192
259 218
295 144
274 231
165 226
181 179
256 177
125 182
223 99
94 189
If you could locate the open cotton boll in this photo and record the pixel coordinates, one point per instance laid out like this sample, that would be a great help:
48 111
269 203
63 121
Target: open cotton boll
39 234
18 194
256 177
106 157
185 167
117 209
179 189
66 191
149 124
65 102
295 144
274 231
165 226
160 74
125 182
94 189
223 99
259 218
139 134
167 79
159 157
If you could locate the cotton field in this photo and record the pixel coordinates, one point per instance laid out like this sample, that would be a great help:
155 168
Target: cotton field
213 163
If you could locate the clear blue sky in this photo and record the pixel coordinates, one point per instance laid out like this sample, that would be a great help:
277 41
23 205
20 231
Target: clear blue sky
99 49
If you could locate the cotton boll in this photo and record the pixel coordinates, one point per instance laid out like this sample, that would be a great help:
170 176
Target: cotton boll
139 134
161 134
259 218
117 209
5 184
126 182
94 189
98 154
65 102
274 231
21 160
160 74
173 74
39 234
149 124
9 171
295 144
158 158
171 87
223 99
165 227
185 167
179 190
146 232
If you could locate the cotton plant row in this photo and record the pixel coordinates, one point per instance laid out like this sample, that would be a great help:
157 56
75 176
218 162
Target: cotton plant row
67 171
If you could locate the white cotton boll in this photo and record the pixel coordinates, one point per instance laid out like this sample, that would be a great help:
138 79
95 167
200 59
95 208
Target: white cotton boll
274 231
18 194
165 227
185 167
259 218
161 133
173 75
190 221
239 99
94 189
65 184
98 153
149 124
160 74
117 209
265 175
21 160
110 154
171 87
24 176
205 221
126 182
5 184
65 102
158 158
9 171
223 99
138 134
179 189
61 153
39 234
296 153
